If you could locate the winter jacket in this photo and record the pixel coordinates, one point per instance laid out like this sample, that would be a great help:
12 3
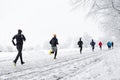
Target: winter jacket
19 39
54 42
80 43
100 44
92 43
109 44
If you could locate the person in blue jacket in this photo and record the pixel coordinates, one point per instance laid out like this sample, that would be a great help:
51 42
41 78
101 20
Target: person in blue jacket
109 44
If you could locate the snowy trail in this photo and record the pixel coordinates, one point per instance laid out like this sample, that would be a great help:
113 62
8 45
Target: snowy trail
58 70
48 68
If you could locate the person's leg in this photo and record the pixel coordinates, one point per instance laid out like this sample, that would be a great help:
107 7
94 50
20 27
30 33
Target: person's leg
55 50
81 49
15 61
108 47
52 52
92 48
22 62
21 55
100 47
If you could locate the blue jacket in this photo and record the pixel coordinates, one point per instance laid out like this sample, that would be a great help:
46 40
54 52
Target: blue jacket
109 44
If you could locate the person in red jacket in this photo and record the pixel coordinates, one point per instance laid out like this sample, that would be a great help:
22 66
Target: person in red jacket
100 45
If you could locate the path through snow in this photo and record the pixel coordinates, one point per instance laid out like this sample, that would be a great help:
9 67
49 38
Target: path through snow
72 66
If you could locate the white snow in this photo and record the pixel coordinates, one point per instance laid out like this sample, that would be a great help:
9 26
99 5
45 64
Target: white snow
69 65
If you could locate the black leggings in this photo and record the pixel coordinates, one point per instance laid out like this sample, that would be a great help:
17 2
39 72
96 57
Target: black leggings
80 49
19 48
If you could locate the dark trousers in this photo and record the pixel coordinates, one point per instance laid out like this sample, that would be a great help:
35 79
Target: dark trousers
55 54
54 49
93 48
19 48
80 49
100 47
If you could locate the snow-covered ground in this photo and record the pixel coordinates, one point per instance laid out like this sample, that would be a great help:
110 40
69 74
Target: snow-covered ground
69 65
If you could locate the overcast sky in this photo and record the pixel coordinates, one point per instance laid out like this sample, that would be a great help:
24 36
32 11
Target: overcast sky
39 19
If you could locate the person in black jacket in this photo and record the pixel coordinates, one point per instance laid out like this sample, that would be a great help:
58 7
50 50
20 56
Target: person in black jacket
80 43
92 43
19 44
112 44
54 43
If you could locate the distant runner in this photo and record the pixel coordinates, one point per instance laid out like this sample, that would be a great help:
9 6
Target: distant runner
54 43
80 44
92 43
100 45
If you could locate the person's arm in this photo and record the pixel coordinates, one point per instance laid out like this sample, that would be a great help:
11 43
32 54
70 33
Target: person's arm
78 43
50 41
90 43
57 42
13 41
24 38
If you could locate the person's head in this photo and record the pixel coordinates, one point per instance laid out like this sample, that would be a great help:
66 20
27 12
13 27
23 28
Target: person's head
80 38
92 40
54 35
19 31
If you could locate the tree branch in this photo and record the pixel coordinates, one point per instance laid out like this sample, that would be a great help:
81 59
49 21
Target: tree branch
114 6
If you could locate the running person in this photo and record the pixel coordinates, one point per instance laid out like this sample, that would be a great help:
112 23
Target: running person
92 43
19 45
54 43
80 44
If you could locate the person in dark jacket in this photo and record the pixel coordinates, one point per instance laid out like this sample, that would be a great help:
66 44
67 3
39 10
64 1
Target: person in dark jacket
92 43
19 44
112 44
54 43
80 44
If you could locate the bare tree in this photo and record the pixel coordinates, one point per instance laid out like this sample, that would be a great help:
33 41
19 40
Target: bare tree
106 12
97 5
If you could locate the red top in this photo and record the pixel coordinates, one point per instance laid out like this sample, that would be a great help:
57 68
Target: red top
100 44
